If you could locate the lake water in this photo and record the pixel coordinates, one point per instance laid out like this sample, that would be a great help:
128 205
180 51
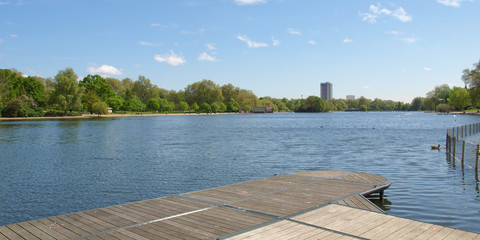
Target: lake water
54 167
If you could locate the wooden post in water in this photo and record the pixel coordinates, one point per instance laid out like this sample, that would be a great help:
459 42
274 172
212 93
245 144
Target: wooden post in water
446 142
476 159
458 128
463 152
454 147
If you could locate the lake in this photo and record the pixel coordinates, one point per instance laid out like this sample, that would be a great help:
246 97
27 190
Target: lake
53 167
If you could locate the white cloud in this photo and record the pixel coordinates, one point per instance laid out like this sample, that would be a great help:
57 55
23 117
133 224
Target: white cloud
452 3
104 70
427 69
168 26
347 40
205 57
396 33
250 43
410 40
1 40
311 42
211 46
13 35
275 42
402 15
171 59
293 31
377 11
249 2
366 87
149 44
4 3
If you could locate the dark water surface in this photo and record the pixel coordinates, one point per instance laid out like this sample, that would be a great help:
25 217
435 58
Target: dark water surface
56 167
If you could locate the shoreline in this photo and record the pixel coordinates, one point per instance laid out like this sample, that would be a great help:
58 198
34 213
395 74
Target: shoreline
93 116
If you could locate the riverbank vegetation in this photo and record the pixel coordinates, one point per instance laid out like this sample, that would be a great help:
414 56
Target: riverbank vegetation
66 95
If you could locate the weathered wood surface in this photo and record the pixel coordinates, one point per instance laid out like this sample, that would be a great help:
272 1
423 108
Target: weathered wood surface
304 205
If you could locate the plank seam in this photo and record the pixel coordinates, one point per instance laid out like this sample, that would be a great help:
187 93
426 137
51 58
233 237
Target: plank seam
325 229
142 223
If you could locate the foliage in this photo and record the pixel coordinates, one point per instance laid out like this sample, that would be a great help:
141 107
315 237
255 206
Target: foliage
417 104
205 107
183 106
205 91
153 104
471 78
195 107
459 98
134 104
67 93
100 108
442 107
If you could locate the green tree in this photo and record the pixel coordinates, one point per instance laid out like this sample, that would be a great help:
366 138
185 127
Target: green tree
89 98
439 94
459 98
144 89
183 106
471 78
417 104
205 107
100 108
205 91
232 107
134 104
195 107
67 94
115 102
153 104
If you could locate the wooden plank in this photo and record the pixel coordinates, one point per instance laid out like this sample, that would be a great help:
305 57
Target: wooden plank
35 231
48 225
263 231
444 232
22 232
48 229
9 234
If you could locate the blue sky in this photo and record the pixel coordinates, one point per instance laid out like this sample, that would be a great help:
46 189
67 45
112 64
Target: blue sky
393 50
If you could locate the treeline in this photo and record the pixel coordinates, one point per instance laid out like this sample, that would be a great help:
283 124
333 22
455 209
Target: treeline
64 94
445 99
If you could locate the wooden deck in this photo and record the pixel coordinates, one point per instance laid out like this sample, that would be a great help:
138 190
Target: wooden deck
304 205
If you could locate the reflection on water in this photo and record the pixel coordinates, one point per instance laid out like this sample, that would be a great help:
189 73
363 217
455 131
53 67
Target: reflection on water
57 167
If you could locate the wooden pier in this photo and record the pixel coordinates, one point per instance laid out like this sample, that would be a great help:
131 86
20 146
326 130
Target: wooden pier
302 205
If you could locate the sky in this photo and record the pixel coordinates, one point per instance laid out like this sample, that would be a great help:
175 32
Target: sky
392 50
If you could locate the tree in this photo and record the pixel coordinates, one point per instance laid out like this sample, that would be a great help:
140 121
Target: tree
471 78
68 93
183 106
134 104
195 107
439 94
144 89
417 104
115 102
459 98
205 107
153 104
205 91
232 107
89 98
100 108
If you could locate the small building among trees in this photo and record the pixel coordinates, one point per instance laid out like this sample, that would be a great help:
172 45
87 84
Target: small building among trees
262 109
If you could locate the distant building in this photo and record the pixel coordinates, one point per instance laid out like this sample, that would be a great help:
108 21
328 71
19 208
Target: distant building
326 90
350 97
261 109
